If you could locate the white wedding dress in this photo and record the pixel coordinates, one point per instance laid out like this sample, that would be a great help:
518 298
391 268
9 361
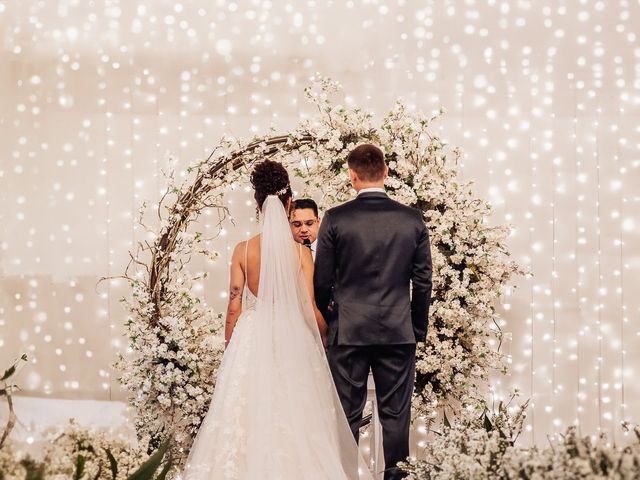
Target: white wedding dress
275 412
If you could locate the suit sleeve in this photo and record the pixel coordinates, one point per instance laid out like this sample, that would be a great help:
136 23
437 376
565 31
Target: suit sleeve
325 265
421 285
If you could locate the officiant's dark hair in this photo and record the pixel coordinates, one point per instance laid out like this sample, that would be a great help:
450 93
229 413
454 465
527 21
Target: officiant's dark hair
303 203
270 178
368 162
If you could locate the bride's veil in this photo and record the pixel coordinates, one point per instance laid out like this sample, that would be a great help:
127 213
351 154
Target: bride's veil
298 397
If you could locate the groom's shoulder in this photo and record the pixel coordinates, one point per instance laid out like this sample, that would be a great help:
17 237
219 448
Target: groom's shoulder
411 211
407 212
342 210
400 206
395 206
388 205
342 207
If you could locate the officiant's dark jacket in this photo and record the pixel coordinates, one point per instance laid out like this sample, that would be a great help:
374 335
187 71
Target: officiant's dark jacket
370 252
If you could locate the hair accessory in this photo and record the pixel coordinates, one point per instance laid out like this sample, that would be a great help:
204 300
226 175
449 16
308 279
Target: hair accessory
282 191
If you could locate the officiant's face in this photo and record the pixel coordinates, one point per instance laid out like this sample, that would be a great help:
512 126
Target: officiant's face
304 225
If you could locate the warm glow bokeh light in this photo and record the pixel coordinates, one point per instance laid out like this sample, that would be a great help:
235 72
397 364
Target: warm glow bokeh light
98 98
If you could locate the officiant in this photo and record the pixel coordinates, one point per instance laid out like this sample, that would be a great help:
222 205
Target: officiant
305 223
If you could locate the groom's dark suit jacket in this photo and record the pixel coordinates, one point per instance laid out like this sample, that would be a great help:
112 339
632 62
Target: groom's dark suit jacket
370 252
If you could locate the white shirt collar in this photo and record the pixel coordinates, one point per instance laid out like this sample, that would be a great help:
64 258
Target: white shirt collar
371 190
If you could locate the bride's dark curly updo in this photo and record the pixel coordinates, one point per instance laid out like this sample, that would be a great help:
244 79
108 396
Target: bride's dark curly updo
270 178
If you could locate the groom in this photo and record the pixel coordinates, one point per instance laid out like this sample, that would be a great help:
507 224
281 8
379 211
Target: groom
374 253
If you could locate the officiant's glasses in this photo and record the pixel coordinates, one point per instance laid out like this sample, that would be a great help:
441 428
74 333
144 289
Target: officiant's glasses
298 224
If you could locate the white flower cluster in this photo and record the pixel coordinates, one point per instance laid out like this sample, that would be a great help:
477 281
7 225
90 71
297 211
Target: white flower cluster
170 367
75 452
101 454
11 463
483 447
574 456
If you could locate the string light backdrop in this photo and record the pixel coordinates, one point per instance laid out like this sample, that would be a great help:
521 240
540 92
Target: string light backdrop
99 98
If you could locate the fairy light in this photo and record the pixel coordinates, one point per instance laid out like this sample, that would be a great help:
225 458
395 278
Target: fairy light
621 267
554 282
579 396
101 99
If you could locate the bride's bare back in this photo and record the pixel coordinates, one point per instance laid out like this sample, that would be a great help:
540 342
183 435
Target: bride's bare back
252 258
248 270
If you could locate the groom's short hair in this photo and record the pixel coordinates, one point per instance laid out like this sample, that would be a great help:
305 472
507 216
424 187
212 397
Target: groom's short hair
368 162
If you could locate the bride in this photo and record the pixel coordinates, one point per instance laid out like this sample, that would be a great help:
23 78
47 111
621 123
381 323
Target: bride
275 413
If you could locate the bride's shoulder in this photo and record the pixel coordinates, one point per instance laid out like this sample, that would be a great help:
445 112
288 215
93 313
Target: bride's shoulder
303 252
248 242
245 244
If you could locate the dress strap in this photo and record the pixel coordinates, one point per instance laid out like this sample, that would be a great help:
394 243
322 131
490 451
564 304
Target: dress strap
246 271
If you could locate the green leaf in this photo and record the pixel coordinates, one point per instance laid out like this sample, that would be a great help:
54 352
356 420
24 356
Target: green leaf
488 426
12 369
34 470
167 467
7 373
80 461
97 477
148 468
113 464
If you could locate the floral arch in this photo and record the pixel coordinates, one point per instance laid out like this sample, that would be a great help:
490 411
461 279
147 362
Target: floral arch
175 343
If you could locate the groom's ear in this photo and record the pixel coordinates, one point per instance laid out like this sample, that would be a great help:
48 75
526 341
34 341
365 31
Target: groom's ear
353 176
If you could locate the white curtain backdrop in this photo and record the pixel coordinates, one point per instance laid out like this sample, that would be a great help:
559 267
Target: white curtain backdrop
98 98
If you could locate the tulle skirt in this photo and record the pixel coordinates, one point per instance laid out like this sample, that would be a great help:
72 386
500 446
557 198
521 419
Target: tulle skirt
273 413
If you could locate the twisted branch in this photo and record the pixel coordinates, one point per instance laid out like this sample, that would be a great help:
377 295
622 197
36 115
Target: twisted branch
188 204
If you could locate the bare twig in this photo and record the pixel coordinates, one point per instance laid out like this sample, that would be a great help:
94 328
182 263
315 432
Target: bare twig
7 391
11 422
